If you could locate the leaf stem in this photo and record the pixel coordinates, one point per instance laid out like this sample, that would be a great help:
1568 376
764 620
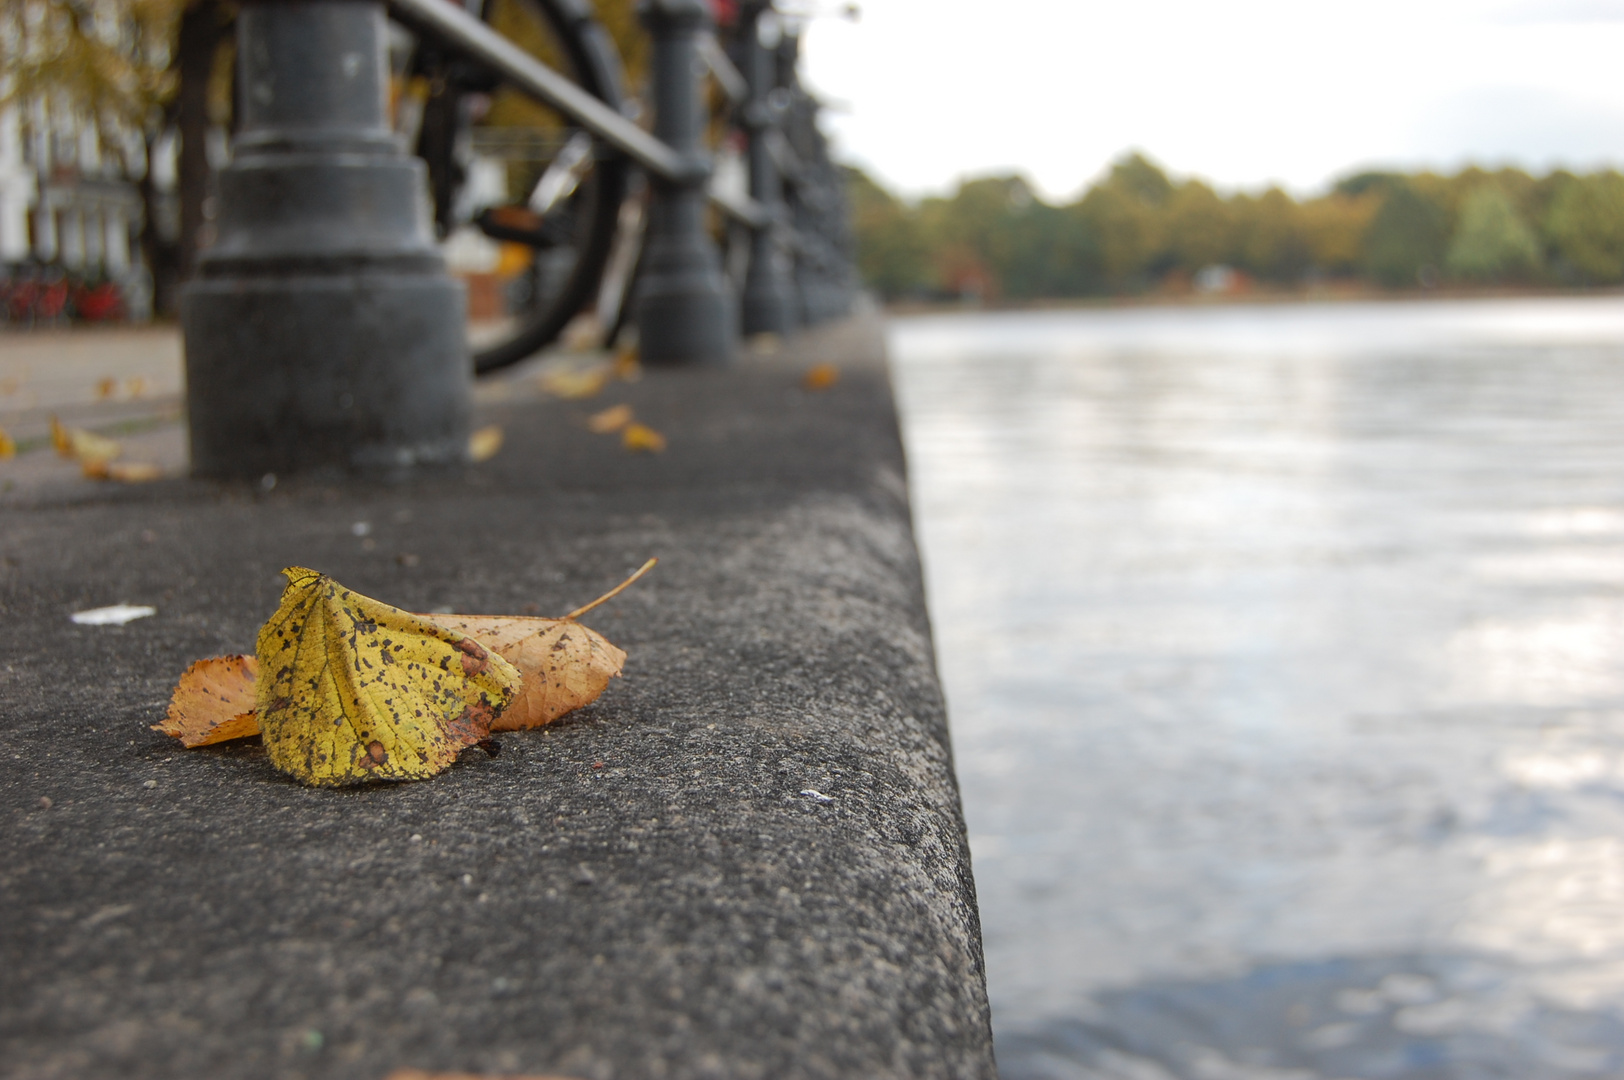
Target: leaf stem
612 593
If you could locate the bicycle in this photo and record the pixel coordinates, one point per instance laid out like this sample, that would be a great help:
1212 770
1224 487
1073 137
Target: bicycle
571 199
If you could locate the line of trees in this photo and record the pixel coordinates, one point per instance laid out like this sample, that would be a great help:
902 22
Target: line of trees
1138 230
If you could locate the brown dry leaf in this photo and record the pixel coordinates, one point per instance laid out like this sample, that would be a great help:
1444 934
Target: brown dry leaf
820 377
565 665
573 385
8 445
82 444
610 420
213 702
106 388
484 443
638 437
127 472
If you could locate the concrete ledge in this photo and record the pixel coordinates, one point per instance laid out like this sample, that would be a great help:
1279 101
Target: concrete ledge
642 890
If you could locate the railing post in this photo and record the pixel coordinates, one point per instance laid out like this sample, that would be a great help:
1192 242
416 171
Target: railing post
322 329
768 306
684 310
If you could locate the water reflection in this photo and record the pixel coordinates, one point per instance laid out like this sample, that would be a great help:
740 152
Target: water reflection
1285 656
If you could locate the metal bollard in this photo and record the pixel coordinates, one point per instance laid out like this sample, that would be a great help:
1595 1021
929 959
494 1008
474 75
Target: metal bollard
684 309
767 304
322 330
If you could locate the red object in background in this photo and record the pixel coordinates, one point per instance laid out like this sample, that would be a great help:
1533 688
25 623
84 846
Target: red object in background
51 300
99 303
726 12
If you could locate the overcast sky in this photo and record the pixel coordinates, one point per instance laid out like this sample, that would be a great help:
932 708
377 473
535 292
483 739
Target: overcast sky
1242 93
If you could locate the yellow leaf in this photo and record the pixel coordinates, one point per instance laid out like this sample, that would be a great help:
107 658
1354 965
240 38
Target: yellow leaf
484 443
821 377
575 384
213 702
106 388
636 438
82 444
8 445
355 690
610 420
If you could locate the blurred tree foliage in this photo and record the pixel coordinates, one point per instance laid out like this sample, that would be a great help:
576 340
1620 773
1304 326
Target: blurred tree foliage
1137 229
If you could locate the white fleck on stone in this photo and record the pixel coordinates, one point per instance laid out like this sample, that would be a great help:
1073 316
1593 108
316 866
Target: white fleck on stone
150 784
117 615
361 528
417 838
818 796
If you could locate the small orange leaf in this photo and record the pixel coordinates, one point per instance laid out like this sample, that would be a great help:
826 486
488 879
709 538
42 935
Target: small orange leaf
213 702
484 443
638 437
610 420
8 445
821 377
106 388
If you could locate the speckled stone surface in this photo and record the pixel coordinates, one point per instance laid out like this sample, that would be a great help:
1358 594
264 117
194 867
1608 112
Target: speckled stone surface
645 889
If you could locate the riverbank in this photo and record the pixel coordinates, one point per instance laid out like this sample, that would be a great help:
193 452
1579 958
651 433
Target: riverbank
745 860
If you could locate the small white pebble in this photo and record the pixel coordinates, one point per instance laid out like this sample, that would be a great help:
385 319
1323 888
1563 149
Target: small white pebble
817 796
417 838
361 528
467 879
150 784
117 615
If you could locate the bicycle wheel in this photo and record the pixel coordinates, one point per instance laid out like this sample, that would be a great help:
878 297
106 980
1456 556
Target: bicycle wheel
520 173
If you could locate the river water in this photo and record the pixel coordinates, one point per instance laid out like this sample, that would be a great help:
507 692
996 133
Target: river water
1284 648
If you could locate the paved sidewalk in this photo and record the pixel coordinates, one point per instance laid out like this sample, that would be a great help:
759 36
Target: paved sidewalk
643 889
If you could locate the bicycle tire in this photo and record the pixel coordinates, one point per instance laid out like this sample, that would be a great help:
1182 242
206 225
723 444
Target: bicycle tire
590 59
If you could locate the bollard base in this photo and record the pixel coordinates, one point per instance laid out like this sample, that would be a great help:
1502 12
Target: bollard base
365 371
687 325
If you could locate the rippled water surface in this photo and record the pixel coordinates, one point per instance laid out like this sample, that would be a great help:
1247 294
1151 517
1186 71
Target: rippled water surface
1285 653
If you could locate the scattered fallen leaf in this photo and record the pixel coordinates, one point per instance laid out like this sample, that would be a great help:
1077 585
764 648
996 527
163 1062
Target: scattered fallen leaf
820 377
136 387
82 444
484 443
127 472
356 690
637 437
575 384
213 702
106 388
116 615
627 367
610 420
8 445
